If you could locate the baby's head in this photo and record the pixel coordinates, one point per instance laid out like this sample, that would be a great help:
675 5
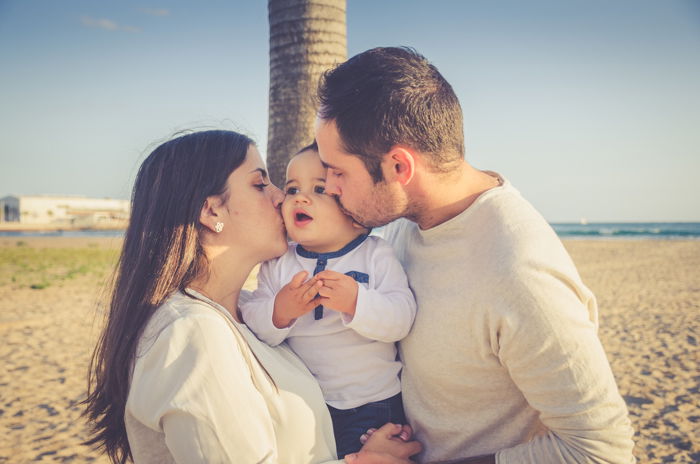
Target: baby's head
314 219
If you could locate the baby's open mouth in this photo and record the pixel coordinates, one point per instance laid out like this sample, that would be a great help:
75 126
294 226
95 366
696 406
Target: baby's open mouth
301 218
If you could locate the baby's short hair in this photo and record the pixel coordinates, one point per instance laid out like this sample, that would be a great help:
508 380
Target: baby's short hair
313 146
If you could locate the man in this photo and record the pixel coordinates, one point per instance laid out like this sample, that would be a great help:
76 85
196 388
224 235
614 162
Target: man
503 363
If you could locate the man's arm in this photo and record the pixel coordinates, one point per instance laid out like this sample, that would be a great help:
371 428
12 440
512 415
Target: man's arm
548 344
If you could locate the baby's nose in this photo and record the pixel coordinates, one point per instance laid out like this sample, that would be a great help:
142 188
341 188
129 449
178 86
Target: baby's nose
301 198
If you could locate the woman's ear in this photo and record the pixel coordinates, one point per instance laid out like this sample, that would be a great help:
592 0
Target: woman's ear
209 216
401 164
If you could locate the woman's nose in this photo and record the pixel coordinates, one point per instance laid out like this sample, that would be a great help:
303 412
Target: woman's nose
277 196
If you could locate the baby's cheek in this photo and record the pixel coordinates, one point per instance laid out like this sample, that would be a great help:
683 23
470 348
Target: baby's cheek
287 213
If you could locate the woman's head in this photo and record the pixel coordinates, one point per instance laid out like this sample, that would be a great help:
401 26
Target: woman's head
171 187
183 188
191 183
248 218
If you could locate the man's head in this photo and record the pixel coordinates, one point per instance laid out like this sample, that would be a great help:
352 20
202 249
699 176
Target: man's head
376 101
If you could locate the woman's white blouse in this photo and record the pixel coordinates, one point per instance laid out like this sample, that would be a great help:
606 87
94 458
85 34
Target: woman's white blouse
198 394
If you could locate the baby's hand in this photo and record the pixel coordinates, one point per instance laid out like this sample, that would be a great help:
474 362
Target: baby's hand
339 291
296 299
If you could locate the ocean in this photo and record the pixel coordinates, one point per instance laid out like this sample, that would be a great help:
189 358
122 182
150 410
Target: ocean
602 230
630 230
62 233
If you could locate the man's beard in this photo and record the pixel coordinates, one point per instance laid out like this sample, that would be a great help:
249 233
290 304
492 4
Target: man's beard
367 222
348 213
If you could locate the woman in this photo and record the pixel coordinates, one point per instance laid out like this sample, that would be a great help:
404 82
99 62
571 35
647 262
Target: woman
176 376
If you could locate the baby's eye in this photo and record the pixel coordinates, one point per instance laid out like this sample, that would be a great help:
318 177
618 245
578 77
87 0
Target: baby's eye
291 190
319 189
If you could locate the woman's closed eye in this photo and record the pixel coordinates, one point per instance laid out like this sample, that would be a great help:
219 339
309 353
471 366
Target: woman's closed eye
261 186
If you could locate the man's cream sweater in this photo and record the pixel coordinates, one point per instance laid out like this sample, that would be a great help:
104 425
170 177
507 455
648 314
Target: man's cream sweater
503 356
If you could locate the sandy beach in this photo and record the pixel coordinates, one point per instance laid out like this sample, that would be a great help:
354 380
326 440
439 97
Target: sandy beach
50 289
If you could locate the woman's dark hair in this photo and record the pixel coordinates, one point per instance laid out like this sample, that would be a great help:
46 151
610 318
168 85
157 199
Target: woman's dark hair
161 254
388 96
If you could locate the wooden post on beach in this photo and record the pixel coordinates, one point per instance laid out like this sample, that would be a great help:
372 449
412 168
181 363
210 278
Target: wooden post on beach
306 38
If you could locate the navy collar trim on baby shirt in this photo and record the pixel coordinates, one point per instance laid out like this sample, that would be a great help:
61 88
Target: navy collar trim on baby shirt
357 241
322 261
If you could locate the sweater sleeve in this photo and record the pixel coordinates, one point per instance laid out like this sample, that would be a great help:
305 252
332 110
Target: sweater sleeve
386 311
546 338
194 386
258 308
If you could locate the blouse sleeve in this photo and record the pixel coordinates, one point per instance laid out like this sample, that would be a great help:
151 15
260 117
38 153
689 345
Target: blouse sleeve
258 307
194 385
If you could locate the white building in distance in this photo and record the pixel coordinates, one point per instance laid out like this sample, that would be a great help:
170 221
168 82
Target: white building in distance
64 211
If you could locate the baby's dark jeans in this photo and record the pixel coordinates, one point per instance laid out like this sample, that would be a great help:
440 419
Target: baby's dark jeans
350 424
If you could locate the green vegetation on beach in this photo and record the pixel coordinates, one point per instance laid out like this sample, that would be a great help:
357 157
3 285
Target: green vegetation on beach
38 268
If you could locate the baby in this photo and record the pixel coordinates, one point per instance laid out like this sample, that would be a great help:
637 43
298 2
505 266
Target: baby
344 320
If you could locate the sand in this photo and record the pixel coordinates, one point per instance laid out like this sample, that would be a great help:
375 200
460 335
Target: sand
648 293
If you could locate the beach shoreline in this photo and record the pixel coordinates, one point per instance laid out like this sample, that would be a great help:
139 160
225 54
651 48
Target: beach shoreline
62 242
648 293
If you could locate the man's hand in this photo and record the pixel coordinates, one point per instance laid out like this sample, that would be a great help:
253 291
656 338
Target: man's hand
386 446
339 292
406 434
296 299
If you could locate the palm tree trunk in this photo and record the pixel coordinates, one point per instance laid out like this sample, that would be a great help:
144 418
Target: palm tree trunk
306 38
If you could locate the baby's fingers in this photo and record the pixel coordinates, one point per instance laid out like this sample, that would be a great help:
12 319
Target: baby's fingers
312 290
325 291
327 274
298 280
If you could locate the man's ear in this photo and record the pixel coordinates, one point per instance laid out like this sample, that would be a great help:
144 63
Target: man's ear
401 164
209 216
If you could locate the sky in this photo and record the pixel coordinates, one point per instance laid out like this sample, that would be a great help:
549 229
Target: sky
591 108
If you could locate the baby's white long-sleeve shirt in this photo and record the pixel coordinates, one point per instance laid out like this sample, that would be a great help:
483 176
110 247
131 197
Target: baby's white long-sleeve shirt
353 358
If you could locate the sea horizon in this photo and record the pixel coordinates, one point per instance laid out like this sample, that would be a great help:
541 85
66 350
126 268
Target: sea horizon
622 230
627 230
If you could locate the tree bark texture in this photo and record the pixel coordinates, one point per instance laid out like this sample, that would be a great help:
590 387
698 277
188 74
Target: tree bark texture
307 37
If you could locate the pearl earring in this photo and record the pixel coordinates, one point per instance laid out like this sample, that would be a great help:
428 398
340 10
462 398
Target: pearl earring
219 227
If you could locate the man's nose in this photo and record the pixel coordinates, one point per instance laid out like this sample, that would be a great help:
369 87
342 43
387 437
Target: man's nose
331 187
